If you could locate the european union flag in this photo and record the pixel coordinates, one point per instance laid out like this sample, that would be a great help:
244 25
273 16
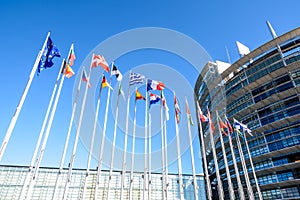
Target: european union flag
49 53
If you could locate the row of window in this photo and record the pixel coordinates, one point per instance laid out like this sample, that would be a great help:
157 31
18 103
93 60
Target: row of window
284 143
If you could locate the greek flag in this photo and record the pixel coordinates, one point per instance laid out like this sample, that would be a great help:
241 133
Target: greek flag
136 78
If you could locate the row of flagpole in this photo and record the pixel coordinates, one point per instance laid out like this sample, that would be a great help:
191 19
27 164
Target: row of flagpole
44 60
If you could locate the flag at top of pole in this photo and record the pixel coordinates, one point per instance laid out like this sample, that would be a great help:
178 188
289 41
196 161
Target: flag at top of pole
241 127
85 78
188 113
72 56
139 96
136 78
154 99
99 60
49 52
117 73
177 109
155 85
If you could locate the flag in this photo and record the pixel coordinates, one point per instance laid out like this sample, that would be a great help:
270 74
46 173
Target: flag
105 83
72 56
211 124
164 102
228 125
117 73
189 113
136 78
48 54
69 71
177 109
155 85
121 92
85 78
241 127
203 118
222 125
98 60
138 95
154 99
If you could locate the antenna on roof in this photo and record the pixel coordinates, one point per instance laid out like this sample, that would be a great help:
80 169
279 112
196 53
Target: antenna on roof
271 30
228 56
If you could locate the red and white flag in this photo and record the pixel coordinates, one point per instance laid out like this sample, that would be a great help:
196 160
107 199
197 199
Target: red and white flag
99 60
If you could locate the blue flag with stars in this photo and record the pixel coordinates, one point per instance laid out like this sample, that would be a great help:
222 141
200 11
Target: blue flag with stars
49 53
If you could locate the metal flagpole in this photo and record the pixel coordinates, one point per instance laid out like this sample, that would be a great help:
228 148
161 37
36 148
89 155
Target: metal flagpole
113 145
149 159
181 196
162 152
40 135
42 150
191 152
62 161
92 142
21 102
249 187
209 192
102 143
166 150
133 150
125 140
66 189
230 186
220 187
253 170
145 147
240 187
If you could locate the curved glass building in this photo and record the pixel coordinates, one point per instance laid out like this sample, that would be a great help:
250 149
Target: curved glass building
261 90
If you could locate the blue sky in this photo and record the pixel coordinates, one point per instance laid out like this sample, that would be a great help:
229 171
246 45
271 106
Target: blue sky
24 25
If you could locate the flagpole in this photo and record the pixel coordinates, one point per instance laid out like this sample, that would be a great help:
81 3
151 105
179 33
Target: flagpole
113 145
230 187
209 192
66 188
67 138
145 147
249 187
240 187
40 135
133 150
149 159
102 144
192 153
22 99
253 170
125 140
162 152
181 196
220 187
92 141
43 147
166 152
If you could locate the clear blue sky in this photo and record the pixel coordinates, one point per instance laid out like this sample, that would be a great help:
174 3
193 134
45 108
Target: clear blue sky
24 25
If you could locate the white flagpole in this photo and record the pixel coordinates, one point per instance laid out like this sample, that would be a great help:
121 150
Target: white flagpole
240 187
220 187
149 159
62 161
100 160
66 189
249 187
181 196
133 150
113 145
192 154
209 192
92 142
42 150
162 152
40 135
125 140
166 154
21 102
230 187
253 170
145 147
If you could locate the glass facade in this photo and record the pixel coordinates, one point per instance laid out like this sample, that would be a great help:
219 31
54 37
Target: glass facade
260 90
12 179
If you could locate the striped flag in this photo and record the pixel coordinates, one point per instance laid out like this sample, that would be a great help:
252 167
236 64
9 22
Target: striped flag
117 73
72 56
164 101
136 78
85 78
155 85
139 96
177 109
105 83
154 99
188 112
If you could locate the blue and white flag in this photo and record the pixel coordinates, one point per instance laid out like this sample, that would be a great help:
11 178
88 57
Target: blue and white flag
155 85
241 127
136 78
